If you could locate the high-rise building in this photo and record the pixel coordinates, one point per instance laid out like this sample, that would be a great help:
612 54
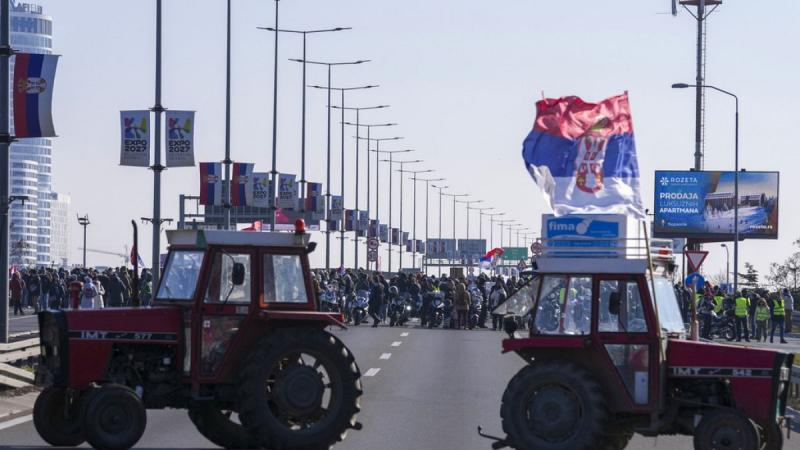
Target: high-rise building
61 229
30 223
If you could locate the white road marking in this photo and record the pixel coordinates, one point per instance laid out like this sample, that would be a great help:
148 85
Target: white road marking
15 422
372 372
404 334
396 343
386 355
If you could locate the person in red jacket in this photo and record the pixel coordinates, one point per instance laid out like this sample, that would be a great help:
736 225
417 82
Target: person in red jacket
17 286
75 288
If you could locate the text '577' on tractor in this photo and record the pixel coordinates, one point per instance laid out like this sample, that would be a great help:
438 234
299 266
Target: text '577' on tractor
233 333
608 357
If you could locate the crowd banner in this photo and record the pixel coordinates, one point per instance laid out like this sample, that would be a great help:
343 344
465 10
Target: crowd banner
180 138
211 183
384 232
583 156
32 90
315 201
287 191
260 189
241 184
336 208
135 149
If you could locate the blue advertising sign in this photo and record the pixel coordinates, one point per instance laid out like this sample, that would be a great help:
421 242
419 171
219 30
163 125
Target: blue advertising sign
702 204
600 231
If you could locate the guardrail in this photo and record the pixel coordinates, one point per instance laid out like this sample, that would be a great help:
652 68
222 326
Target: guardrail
24 348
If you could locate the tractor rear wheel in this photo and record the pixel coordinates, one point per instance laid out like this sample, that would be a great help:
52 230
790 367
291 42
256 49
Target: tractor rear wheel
217 426
114 418
771 437
617 439
57 420
299 390
726 430
554 405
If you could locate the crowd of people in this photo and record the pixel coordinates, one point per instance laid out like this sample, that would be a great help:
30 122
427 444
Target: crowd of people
756 312
44 289
421 290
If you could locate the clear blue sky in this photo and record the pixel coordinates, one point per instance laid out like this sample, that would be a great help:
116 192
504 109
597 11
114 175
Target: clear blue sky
461 78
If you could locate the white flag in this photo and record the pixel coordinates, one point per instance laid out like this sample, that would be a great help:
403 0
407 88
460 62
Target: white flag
135 149
180 138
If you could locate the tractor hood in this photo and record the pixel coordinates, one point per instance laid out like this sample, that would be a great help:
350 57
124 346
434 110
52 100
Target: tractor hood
125 324
758 378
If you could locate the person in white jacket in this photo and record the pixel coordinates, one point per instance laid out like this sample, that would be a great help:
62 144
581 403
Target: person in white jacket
98 299
88 293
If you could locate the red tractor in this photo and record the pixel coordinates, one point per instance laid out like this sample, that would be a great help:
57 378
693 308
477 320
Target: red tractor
233 332
608 357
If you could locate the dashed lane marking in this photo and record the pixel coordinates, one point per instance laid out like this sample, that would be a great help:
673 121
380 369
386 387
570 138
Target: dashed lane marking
386 355
372 372
404 334
15 422
396 343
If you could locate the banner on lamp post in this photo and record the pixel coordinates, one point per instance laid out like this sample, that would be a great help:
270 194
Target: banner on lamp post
315 201
363 224
180 138
337 212
260 189
384 232
135 149
287 191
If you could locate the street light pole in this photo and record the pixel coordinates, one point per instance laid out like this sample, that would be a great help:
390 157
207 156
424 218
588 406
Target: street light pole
491 228
735 179
84 222
480 219
455 197
414 223
378 152
727 264
440 225
328 169
305 33
400 231
157 167
469 202
427 210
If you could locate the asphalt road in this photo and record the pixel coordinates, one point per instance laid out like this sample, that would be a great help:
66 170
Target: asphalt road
422 389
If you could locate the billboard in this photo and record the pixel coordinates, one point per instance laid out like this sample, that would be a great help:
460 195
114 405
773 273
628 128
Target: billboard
580 234
701 204
441 248
471 248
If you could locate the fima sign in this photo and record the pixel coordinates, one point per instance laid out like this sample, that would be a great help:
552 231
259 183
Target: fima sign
583 233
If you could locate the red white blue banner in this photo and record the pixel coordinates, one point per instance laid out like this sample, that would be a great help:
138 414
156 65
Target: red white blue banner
583 156
241 184
34 75
211 183
135 138
180 138
315 201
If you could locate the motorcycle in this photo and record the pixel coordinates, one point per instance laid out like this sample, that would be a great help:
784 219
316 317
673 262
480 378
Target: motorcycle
330 300
358 312
475 308
399 310
722 326
436 315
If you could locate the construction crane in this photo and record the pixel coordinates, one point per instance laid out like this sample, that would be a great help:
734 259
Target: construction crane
125 256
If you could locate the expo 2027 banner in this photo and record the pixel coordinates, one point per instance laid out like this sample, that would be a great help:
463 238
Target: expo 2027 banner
702 204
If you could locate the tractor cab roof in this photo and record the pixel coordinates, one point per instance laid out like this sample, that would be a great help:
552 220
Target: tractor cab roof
204 238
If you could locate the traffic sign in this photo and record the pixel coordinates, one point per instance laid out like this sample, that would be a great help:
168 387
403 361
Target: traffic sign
372 255
537 248
372 243
695 280
695 259
521 265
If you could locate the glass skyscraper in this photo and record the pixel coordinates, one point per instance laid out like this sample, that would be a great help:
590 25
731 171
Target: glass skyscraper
31 223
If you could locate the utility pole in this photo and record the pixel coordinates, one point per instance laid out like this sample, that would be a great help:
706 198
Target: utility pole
84 222
5 154
157 168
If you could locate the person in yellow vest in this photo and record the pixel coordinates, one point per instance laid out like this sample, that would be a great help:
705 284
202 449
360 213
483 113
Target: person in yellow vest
718 300
742 305
778 317
762 315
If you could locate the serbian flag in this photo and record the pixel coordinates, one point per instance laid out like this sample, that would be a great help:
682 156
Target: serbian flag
241 187
34 75
583 156
211 183
136 258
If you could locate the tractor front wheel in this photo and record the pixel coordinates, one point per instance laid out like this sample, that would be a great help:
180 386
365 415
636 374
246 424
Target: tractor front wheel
555 406
726 430
56 418
114 418
299 390
218 427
